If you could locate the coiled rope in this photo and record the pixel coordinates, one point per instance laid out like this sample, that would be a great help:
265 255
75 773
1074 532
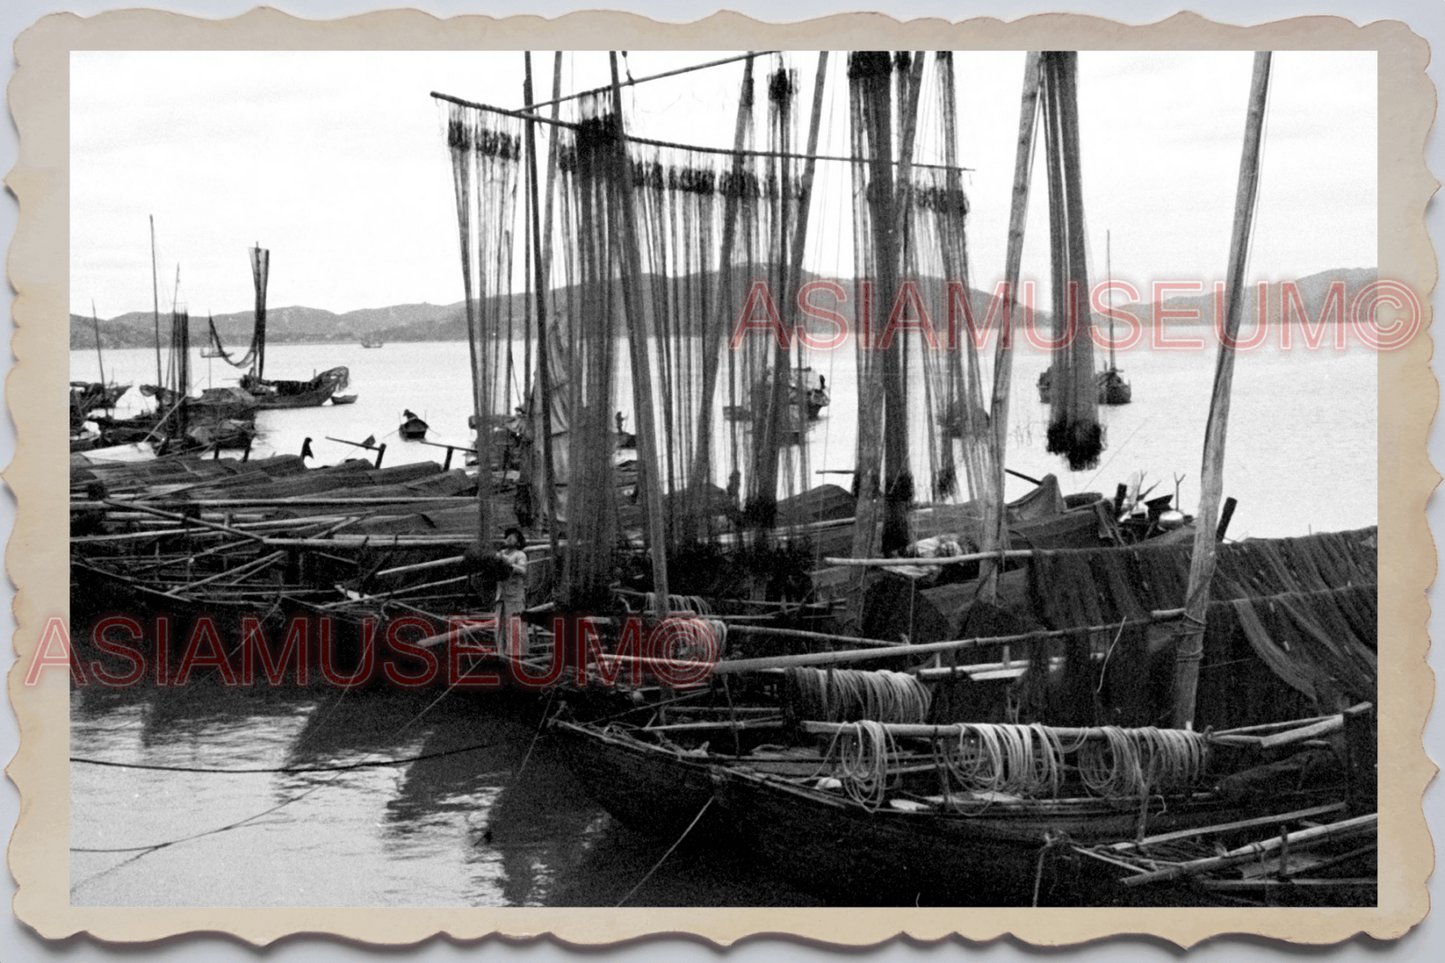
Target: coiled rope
865 753
995 757
850 695
1029 761
693 604
1137 762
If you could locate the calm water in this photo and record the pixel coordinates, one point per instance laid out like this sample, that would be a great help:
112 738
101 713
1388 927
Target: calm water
477 826
1301 453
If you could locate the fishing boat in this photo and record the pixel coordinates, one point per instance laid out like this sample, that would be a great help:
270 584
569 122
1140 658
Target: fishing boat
1111 387
343 399
912 825
88 396
1110 384
1018 763
412 427
269 392
273 393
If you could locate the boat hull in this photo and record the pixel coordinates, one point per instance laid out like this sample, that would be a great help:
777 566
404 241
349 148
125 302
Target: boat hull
997 856
644 787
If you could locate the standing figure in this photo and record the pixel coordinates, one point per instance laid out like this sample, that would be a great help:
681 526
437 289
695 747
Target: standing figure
512 590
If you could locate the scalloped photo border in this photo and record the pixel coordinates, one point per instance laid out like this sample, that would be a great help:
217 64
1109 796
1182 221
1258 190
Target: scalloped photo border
38 556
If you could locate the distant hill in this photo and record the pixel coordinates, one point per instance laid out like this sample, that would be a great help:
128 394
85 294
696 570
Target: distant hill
1313 290
288 325
447 322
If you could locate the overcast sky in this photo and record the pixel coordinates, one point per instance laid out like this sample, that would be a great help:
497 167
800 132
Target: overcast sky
336 162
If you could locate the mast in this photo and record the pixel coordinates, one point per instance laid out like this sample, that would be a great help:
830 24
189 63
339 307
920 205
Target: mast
260 266
802 391
995 531
156 303
539 266
95 327
1189 640
1109 287
716 330
641 368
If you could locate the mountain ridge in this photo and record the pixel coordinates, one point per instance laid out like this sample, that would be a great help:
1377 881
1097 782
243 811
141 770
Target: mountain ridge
299 324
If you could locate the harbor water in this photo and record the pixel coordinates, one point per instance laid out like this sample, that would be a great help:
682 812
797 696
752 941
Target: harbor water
393 798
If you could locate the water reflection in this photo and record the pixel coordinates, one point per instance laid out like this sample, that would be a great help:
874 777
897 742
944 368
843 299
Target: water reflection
391 799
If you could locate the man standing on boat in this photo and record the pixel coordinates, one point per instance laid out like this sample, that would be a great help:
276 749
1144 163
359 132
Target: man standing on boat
512 590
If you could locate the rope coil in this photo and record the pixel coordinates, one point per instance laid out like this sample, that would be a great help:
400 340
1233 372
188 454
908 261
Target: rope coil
850 695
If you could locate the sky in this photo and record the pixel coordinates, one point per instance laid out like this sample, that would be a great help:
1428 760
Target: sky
336 162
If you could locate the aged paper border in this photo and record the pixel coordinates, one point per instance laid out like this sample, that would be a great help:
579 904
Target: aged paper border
37 558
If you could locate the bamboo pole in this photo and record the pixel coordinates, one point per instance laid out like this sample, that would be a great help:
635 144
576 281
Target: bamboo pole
769 631
184 520
897 474
904 730
950 560
1189 644
541 266
1255 850
156 306
641 367
995 529
712 344
1274 820
1078 319
801 392
698 148
236 572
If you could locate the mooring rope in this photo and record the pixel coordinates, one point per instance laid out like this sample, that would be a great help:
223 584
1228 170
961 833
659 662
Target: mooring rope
657 865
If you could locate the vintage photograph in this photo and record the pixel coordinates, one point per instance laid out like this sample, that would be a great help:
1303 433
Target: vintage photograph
648 478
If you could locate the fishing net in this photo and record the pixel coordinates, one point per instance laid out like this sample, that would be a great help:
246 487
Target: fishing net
486 154
1100 586
1074 430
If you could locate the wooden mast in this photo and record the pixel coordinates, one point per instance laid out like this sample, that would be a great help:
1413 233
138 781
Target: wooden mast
156 304
260 268
95 327
539 291
1189 644
1109 287
702 456
641 367
788 393
801 391
995 530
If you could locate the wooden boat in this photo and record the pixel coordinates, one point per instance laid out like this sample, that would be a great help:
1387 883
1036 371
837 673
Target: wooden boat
412 428
343 399
276 393
983 849
1113 389
809 389
1110 384
372 343
296 394
90 396
213 403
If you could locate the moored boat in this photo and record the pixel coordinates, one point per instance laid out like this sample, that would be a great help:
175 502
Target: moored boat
413 428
